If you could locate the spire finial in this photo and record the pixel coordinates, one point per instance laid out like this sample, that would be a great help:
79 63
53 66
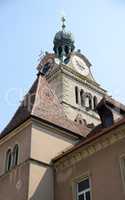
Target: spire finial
63 23
63 43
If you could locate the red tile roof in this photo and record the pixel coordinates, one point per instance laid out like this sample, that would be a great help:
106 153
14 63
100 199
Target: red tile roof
42 103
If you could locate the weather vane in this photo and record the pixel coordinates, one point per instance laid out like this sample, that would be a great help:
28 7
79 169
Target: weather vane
63 23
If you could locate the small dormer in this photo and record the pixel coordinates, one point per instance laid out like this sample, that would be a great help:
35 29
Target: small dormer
106 115
110 111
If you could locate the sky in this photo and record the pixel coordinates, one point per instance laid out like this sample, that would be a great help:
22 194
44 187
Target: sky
27 27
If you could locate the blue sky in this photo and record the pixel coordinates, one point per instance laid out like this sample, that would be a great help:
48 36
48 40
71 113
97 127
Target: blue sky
27 26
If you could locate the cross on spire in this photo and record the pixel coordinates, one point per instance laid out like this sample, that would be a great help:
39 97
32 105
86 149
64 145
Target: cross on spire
63 23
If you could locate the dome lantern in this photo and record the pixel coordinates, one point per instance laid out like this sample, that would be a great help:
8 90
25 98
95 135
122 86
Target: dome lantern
63 43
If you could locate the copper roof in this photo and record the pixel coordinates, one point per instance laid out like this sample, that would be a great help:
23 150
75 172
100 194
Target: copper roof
42 103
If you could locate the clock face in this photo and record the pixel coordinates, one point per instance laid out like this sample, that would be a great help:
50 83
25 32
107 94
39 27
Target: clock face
80 65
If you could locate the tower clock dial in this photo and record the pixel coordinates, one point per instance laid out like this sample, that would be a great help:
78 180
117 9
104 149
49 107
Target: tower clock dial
80 65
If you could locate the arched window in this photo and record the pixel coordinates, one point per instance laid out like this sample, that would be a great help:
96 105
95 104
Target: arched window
88 102
82 98
95 102
15 155
77 94
8 160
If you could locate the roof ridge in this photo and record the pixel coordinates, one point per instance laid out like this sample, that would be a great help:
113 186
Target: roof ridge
24 107
35 95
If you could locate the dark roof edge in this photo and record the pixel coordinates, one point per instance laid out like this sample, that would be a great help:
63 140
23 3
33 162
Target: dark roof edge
45 121
113 103
8 133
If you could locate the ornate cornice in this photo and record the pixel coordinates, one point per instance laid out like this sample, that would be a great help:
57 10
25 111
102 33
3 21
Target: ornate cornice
90 149
91 84
75 76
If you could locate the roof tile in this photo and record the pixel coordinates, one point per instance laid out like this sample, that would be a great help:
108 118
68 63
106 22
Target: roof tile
42 102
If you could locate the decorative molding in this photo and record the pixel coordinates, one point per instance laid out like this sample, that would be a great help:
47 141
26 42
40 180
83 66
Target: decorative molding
82 110
90 149
76 76
56 130
32 160
27 161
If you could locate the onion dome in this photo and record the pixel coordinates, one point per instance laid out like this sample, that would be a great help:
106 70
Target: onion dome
63 43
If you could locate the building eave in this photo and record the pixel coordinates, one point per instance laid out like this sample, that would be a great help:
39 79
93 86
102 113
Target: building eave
66 131
90 139
15 130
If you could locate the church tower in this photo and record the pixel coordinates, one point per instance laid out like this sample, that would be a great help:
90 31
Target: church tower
69 73
56 114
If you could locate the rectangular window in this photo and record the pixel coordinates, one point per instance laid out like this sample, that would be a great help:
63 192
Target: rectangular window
83 190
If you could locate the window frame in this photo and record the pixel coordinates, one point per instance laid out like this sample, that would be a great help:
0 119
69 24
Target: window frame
79 179
83 192
82 98
95 102
12 156
15 155
122 170
7 154
88 97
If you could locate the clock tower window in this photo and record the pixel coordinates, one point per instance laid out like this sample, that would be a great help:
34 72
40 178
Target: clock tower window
77 94
88 103
95 101
82 97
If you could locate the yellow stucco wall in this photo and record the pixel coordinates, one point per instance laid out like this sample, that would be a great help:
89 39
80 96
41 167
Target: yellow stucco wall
40 182
46 144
